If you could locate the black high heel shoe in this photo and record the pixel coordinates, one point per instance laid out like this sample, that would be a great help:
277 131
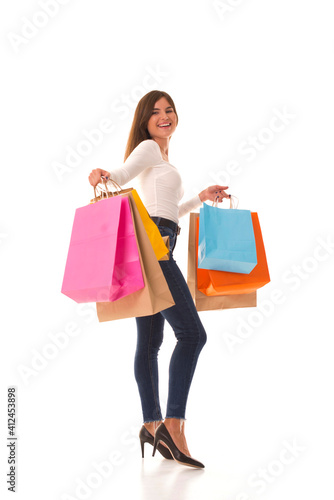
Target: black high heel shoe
146 437
162 434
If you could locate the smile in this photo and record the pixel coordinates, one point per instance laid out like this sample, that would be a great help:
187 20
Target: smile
164 125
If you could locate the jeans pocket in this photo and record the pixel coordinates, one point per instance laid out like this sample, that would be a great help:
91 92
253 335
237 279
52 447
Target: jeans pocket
167 231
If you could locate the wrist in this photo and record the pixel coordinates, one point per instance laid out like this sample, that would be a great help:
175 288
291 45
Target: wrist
203 196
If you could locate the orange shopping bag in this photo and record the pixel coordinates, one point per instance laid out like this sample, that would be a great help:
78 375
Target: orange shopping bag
224 283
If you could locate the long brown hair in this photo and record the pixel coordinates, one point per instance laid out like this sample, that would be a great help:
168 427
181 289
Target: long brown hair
143 113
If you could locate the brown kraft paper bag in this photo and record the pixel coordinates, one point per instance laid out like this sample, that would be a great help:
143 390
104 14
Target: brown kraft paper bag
202 301
155 296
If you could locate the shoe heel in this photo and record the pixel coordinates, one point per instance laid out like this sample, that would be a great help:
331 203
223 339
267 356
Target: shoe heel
142 448
155 445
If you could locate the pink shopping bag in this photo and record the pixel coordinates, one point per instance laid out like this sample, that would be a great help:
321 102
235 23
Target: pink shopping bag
103 262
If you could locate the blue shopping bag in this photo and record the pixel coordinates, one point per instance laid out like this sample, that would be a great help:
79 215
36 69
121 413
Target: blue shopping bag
226 240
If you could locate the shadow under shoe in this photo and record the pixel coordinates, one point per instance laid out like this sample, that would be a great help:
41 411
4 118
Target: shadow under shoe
162 435
146 437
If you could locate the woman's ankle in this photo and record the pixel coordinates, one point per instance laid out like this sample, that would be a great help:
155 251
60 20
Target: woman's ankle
175 424
175 427
152 426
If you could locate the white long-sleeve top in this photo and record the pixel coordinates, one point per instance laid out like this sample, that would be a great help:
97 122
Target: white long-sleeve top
160 183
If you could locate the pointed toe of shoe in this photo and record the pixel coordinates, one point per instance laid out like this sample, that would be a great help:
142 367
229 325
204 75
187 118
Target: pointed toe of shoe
162 434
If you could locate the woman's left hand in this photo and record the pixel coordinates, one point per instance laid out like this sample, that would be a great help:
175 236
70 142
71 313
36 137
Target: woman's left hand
214 193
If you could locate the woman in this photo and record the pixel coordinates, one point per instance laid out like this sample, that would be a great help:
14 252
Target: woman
146 156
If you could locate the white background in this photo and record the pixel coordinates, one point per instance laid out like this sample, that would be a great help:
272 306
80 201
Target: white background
230 67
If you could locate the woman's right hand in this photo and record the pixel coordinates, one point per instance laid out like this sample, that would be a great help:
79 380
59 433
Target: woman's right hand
95 176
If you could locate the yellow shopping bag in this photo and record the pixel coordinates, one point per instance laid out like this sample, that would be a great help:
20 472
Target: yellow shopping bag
151 228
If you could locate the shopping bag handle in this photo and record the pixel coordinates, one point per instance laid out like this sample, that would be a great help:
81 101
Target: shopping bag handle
100 193
105 180
234 201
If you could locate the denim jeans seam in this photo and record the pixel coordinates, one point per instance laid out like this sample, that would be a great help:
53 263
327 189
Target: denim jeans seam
189 332
157 406
194 356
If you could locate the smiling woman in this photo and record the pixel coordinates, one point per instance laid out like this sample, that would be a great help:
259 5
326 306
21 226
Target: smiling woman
155 108
162 124
146 157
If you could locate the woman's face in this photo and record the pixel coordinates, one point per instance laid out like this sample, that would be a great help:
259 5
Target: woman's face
163 121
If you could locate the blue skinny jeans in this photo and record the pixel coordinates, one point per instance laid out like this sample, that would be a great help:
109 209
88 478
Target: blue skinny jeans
191 337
